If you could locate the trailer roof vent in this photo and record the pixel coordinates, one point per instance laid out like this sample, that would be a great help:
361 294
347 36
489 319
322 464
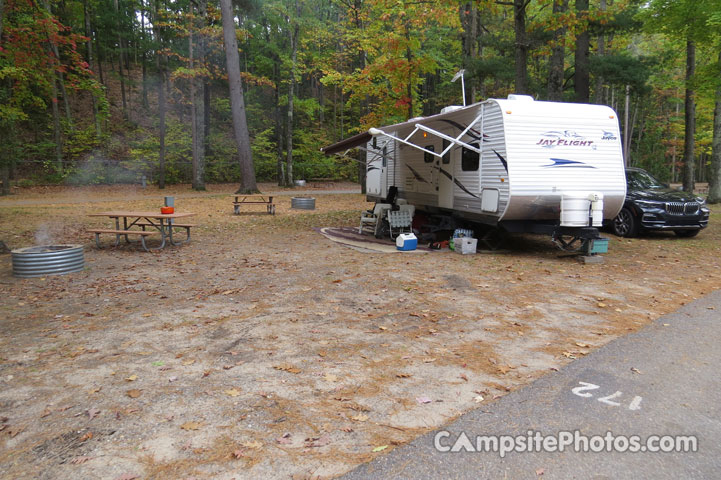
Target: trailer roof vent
451 108
520 98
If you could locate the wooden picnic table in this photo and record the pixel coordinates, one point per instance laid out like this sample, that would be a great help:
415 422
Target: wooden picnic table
254 199
135 223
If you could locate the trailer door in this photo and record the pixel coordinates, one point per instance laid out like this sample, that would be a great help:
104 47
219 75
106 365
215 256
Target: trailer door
446 167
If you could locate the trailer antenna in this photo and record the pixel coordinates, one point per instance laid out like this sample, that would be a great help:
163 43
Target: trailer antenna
463 84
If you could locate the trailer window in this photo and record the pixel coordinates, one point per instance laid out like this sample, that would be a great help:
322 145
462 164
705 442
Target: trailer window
385 156
447 156
427 157
470 159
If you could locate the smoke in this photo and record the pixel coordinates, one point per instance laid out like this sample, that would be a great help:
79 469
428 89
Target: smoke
97 169
44 235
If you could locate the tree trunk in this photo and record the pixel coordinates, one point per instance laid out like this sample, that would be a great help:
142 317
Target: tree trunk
142 58
4 169
626 125
714 182
237 103
600 51
100 60
206 118
582 76
56 128
291 94
90 60
2 15
409 59
197 114
521 50
61 77
690 119
120 62
160 66
556 64
278 125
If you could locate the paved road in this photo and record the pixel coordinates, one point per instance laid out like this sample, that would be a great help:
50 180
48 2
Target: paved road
663 380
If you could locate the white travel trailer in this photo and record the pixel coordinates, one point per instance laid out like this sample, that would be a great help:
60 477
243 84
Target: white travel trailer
516 163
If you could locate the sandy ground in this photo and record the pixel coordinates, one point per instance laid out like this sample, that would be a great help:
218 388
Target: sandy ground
264 350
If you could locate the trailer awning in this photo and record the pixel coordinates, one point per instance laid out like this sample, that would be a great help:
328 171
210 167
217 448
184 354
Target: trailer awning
347 143
403 131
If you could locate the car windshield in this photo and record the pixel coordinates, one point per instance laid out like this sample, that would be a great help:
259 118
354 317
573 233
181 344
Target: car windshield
640 180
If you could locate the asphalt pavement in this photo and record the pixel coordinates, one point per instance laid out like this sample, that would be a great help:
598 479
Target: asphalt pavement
640 392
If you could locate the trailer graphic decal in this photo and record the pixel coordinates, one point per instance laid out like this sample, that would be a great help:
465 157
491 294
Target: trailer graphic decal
567 138
417 175
457 182
564 163
503 160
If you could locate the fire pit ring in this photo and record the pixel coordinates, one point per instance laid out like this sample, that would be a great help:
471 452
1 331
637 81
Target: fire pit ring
302 203
42 260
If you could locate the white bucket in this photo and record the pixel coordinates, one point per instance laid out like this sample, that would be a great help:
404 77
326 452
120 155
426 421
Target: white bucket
575 209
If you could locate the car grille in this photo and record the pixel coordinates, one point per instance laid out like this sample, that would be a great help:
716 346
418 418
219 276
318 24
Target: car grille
681 208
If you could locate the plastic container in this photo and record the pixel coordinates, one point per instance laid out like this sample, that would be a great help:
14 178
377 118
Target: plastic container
575 209
406 241
167 210
465 245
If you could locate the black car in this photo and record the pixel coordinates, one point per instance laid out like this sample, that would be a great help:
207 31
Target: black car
652 205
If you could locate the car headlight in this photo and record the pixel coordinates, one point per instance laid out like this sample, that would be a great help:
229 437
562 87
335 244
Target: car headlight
649 204
701 200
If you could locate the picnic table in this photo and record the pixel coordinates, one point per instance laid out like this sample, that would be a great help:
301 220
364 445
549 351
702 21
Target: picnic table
135 223
241 200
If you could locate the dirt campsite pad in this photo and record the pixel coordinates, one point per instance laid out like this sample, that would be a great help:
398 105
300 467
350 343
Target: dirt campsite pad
264 350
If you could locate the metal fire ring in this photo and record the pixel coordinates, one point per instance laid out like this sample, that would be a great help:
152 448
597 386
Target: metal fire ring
44 260
303 203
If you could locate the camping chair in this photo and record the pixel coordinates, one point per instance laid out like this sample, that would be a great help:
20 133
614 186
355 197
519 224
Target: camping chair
371 218
399 221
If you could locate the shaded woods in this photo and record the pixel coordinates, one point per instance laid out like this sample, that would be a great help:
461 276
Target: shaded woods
114 91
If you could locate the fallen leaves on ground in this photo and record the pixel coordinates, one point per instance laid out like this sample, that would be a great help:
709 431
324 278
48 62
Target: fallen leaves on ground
321 441
287 368
191 425
233 392
253 444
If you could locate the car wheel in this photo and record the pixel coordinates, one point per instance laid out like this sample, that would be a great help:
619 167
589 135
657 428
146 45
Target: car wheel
686 233
625 224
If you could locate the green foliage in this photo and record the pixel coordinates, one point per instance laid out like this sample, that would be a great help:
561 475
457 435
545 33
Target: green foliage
359 64
623 69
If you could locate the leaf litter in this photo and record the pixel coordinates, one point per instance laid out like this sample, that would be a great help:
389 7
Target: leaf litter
242 303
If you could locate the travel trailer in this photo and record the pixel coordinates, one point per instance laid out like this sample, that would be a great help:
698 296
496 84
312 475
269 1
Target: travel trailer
517 164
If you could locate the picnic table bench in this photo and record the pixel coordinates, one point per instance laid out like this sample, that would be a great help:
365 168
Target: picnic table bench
118 233
253 200
162 223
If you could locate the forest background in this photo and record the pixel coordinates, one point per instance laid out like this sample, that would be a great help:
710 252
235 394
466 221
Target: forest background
125 91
